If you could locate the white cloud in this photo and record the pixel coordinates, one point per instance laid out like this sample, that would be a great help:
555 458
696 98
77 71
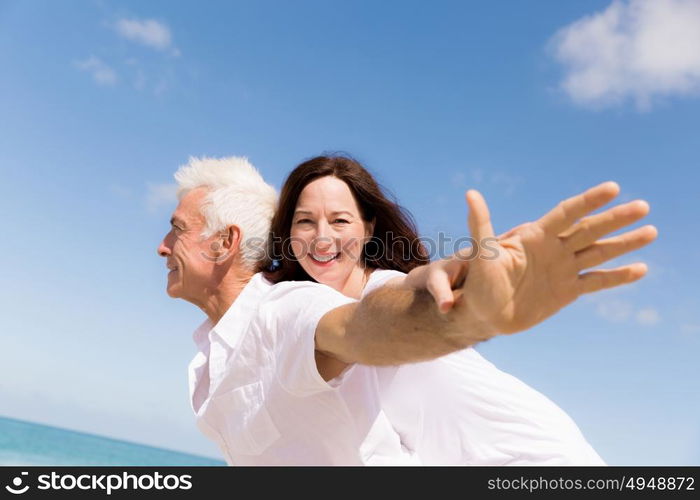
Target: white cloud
619 310
647 317
506 182
458 179
148 32
635 49
615 311
441 200
160 88
121 191
478 177
690 329
160 195
101 72
140 80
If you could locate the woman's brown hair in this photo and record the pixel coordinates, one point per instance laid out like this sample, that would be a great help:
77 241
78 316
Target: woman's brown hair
394 228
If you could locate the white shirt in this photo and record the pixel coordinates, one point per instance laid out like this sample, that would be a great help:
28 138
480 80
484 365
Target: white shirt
256 392
461 409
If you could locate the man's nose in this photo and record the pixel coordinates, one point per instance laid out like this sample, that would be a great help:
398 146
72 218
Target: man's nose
163 249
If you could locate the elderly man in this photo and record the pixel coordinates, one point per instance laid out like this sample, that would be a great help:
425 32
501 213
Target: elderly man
255 385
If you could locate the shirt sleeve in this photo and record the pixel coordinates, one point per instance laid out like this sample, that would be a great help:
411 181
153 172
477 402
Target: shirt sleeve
290 314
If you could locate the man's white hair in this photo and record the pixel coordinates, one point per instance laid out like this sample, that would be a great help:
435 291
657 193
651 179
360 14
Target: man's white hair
237 195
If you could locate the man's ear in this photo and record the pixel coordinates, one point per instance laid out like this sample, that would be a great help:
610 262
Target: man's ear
230 239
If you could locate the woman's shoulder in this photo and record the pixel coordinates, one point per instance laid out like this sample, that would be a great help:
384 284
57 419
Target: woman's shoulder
379 277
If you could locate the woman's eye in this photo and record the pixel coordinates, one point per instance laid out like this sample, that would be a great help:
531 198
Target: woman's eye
341 221
304 221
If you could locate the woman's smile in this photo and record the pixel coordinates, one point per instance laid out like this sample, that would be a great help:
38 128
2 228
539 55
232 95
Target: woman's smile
324 259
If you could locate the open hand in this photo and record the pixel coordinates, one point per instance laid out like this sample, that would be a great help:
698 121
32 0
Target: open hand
534 270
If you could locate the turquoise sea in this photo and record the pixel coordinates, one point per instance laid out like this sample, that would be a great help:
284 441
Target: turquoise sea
27 443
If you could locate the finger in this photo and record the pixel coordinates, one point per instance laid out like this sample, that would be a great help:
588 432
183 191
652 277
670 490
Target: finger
605 250
590 229
594 281
479 216
570 210
438 285
457 270
465 254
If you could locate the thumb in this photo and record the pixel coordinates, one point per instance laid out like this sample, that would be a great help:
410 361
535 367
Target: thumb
479 216
439 287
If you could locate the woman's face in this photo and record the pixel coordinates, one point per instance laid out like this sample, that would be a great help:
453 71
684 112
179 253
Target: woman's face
328 232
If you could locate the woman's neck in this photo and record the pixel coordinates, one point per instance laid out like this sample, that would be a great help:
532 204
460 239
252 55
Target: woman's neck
356 282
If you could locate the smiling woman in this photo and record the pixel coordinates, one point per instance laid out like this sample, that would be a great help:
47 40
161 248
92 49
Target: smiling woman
342 226
329 237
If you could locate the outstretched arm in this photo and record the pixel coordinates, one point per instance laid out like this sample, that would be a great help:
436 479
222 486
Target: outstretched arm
513 283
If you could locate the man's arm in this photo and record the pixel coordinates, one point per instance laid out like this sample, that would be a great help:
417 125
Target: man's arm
528 274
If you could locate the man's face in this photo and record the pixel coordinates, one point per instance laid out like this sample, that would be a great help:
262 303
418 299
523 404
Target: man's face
191 270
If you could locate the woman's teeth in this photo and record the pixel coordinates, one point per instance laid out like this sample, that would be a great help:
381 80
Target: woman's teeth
325 258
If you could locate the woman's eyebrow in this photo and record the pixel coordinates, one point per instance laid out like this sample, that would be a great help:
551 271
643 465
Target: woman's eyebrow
335 212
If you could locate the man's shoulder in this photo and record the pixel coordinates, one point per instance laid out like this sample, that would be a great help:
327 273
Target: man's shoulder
289 298
307 288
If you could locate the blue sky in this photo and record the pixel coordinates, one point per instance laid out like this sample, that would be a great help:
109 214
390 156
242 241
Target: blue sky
529 102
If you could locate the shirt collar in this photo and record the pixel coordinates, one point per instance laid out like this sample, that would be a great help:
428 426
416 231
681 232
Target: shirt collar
201 335
235 320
